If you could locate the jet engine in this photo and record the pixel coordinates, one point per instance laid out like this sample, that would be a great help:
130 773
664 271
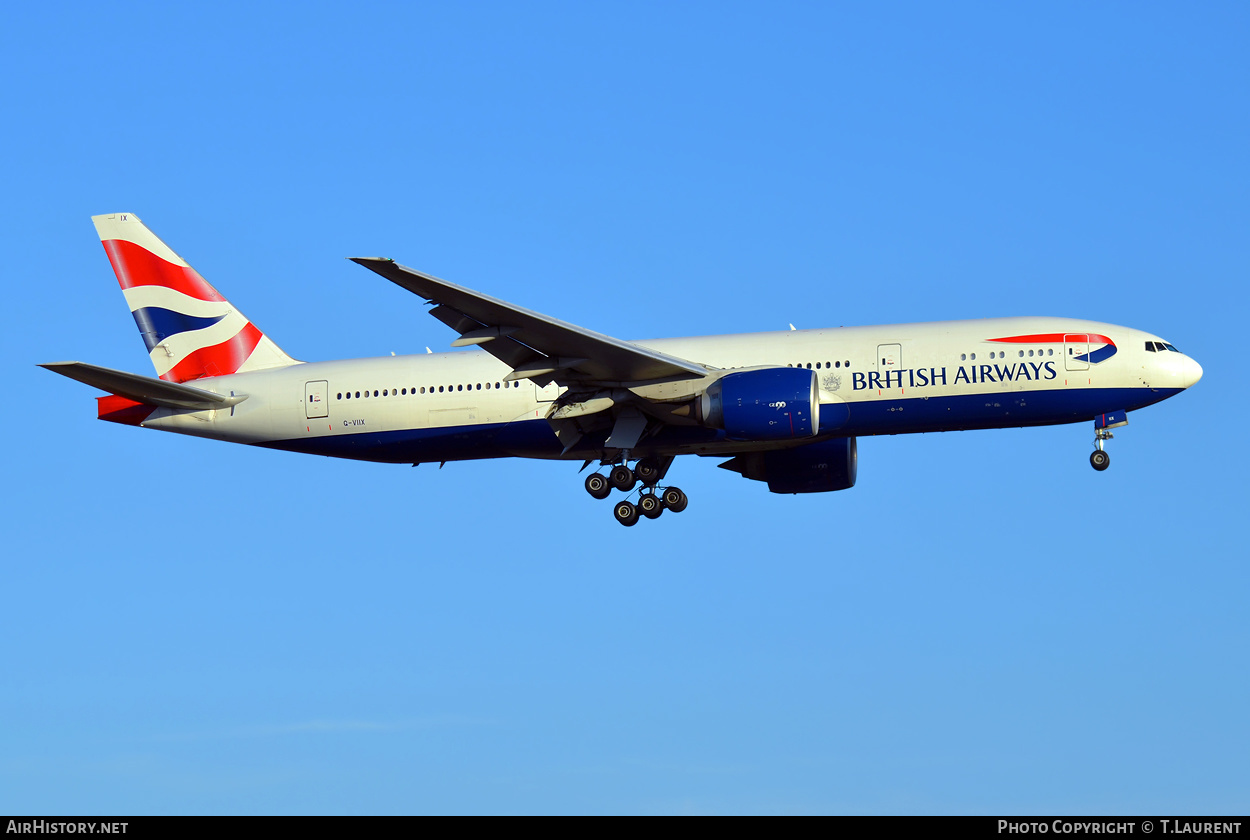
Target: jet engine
767 404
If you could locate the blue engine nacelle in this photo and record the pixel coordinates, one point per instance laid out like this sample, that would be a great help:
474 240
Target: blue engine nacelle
814 468
770 404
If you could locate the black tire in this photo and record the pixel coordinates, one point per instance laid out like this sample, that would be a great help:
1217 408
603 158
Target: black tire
650 506
674 499
648 471
597 485
622 478
625 513
1099 460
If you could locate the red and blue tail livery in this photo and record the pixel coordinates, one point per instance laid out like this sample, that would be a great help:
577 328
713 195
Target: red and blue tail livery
784 408
190 330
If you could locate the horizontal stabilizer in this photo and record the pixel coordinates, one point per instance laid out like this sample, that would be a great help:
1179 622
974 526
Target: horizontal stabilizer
144 389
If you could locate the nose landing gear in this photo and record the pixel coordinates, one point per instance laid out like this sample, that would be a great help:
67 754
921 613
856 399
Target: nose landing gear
652 500
1103 424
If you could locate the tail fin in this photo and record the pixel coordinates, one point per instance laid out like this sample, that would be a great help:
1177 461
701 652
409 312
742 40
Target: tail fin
191 331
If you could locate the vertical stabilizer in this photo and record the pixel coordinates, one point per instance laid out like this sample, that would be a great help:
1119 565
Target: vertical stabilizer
190 330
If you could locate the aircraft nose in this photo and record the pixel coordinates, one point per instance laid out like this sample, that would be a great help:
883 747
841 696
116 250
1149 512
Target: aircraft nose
1190 373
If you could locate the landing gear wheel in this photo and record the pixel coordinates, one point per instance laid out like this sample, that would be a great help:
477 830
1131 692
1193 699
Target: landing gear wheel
625 513
650 506
623 478
674 499
648 471
1099 460
597 486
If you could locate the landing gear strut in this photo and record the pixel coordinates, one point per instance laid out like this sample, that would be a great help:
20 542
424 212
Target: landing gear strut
652 500
1103 424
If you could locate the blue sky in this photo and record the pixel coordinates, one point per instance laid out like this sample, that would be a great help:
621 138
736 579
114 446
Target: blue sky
982 625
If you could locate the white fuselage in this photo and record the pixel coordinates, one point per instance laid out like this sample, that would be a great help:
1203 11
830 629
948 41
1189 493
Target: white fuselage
891 379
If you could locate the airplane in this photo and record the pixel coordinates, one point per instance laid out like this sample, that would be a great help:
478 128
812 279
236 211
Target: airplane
785 408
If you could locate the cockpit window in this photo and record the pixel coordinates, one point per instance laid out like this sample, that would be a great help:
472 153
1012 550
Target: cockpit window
1150 346
1170 347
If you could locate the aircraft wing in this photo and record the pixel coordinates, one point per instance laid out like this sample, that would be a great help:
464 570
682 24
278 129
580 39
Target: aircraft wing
143 389
535 346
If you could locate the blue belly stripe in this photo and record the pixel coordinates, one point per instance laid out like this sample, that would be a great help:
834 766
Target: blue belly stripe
534 438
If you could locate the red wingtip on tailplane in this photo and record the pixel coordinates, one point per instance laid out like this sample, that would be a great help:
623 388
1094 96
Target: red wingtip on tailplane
117 409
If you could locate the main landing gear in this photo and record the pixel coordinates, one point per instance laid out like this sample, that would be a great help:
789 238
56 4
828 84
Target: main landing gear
652 500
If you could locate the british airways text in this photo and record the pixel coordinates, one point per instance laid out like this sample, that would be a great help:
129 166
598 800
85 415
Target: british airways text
971 374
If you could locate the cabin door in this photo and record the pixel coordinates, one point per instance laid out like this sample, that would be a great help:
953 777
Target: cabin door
889 361
315 402
1076 352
